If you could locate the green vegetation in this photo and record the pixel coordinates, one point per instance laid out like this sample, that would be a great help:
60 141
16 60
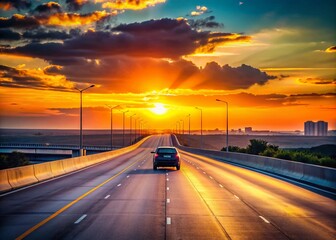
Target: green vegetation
324 155
14 159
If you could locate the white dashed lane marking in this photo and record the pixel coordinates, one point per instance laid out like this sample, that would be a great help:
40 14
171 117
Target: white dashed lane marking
265 220
107 196
80 219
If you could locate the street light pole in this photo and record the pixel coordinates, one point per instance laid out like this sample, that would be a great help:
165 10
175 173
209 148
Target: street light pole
131 128
111 108
182 126
189 123
201 125
124 112
227 123
81 119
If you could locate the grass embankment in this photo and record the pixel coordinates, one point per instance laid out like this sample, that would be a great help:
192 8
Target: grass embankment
324 155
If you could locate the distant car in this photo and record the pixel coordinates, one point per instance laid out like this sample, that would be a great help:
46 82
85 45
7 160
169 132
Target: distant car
166 156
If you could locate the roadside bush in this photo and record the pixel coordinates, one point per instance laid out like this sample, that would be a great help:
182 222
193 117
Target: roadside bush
283 154
261 147
269 152
14 159
256 146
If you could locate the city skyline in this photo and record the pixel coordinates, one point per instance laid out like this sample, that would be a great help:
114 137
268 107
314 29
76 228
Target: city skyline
273 62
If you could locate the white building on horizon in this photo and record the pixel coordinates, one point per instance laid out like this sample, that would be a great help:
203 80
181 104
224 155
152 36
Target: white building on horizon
319 128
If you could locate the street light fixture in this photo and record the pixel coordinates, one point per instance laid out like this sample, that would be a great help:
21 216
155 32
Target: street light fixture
111 108
81 119
227 123
201 126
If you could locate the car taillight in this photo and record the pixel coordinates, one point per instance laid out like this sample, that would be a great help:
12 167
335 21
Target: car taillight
156 155
177 156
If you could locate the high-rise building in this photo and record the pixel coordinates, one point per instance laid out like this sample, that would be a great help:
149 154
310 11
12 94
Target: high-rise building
322 128
319 128
309 128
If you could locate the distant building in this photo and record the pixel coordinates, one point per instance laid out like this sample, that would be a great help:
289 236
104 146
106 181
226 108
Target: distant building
309 128
322 128
248 130
319 128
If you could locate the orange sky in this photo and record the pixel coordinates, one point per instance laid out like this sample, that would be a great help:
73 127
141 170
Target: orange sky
274 76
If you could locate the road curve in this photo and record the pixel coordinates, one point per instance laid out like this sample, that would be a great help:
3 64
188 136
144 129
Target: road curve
126 199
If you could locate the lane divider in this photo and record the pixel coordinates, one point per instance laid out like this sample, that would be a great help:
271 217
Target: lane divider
40 224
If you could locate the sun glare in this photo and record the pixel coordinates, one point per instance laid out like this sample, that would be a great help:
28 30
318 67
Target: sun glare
159 109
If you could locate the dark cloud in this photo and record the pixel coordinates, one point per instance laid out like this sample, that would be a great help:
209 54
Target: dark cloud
18 4
114 73
226 77
164 38
48 9
22 78
19 21
205 23
319 81
43 34
9 35
314 95
75 5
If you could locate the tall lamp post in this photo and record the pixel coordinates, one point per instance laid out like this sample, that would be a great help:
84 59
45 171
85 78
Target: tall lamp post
131 128
182 126
201 126
227 123
124 112
111 108
188 116
81 119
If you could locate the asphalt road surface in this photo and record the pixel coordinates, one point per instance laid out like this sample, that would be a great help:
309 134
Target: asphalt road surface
126 199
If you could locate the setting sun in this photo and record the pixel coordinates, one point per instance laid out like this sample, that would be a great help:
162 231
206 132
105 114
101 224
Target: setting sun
159 109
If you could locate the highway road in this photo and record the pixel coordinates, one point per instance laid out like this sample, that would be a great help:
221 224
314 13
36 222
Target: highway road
126 199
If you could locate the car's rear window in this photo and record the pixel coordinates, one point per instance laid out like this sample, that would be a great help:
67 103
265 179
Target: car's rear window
166 150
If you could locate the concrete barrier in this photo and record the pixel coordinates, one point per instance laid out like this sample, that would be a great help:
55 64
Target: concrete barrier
57 168
21 176
26 175
43 171
312 174
4 184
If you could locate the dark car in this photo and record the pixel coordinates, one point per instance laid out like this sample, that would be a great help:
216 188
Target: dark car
166 157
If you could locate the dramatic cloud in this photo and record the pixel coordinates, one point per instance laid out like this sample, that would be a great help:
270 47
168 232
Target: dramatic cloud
331 49
19 21
113 74
18 4
48 9
75 5
43 34
164 38
49 16
129 4
9 35
199 11
205 23
33 79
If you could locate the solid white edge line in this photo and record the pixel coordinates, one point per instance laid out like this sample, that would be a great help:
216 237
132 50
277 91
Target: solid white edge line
168 220
265 220
80 219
